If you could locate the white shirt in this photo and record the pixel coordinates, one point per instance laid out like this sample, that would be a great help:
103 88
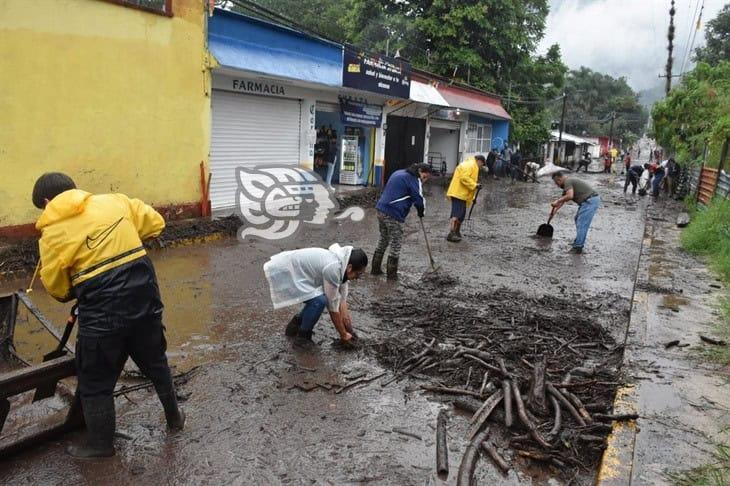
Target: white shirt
300 275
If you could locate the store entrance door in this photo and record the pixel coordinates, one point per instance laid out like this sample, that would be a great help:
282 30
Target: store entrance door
404 143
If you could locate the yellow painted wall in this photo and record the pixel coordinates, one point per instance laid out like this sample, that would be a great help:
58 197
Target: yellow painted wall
116 97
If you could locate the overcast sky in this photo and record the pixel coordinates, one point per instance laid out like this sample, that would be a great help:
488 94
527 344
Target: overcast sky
624 37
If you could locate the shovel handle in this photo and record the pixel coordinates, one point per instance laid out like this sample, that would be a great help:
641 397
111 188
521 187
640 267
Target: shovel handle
428 245
553 210
69 326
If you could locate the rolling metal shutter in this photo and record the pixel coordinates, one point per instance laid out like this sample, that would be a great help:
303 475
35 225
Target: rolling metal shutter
248 131
447 124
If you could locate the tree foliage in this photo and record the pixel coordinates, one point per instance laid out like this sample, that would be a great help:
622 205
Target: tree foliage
696 113
593 98
717 39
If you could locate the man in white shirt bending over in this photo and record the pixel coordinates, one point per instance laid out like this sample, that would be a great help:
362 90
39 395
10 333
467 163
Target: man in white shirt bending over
318 278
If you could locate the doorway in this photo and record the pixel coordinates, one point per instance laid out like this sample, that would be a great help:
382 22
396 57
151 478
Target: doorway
404 143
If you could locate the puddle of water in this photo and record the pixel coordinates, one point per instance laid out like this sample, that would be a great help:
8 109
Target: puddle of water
190 329
674 301
659 270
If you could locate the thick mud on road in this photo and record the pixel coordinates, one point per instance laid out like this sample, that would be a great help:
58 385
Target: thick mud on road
260 412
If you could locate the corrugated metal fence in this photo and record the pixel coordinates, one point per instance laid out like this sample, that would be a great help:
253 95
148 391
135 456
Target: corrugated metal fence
706 183
694 178
723 186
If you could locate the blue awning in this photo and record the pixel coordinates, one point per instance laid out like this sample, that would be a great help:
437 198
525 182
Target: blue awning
242 42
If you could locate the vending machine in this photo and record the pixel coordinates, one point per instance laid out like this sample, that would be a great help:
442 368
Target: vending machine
351 168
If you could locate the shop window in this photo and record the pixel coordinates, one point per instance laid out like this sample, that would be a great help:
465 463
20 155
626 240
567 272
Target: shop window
161 7
479 138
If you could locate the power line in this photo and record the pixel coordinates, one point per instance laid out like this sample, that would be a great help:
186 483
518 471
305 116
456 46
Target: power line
277 17
694 36
690 22
692 33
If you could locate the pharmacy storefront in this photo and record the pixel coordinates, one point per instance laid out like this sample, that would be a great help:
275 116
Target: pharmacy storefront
273 105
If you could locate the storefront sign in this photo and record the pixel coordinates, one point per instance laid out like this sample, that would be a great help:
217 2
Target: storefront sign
378 74
448 114
257 86
360 114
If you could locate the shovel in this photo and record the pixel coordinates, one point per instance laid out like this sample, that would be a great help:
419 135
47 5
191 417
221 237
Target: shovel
47 390
546 229
428 246
474 203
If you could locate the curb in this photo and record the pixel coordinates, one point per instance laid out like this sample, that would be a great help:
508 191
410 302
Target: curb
193 240
617 463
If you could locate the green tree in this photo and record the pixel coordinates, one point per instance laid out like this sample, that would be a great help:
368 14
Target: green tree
533 90
324 17
593 98
717 39
489 44
696 114
475 41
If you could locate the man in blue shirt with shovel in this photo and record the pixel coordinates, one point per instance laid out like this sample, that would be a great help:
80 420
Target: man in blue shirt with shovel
403 190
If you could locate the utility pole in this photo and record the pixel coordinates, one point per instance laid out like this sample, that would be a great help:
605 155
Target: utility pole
610 131
509 95
670 48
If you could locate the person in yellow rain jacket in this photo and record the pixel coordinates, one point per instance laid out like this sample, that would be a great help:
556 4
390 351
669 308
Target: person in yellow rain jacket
462 190
91 250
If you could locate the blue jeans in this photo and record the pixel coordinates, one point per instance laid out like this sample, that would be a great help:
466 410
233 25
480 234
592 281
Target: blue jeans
583 219
657 181
330 173
311 312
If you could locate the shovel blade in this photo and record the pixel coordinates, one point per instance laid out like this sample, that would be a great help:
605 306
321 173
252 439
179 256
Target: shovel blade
49 389
45 391
545 230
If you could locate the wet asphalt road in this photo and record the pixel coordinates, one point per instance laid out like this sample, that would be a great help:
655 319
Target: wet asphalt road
245 424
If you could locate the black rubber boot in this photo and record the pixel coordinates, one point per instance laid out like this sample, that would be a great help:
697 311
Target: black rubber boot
377 268
392 268
304 340
292 329
100 426
174 415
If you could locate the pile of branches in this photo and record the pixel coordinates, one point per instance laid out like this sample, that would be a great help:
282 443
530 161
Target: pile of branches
541 367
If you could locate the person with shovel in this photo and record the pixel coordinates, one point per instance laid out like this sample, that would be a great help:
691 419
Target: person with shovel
462 191
633 175
317 278
403 190
587 200
91 250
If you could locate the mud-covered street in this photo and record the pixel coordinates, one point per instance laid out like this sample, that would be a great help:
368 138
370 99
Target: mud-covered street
261 412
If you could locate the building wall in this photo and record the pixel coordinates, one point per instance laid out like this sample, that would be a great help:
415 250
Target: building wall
116 97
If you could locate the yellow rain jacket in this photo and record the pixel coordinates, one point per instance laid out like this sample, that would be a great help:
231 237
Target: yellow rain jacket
85 235
464 182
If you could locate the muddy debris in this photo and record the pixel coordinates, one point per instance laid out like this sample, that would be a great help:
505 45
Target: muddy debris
438 278
547 355
365 198
656 289
178 231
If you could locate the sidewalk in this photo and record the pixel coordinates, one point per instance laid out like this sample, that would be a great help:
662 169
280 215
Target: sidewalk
682 400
